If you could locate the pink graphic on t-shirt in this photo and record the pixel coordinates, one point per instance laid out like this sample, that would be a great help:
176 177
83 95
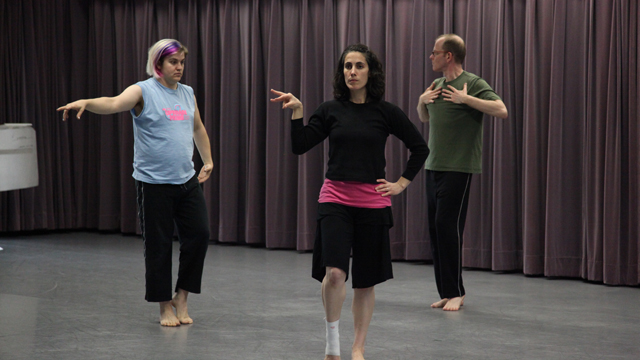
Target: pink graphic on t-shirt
177 114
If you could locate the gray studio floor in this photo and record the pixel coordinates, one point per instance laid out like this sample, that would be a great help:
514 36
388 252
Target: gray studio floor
80 296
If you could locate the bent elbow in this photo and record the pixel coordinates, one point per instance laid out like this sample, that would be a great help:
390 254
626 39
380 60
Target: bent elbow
297 150
501 112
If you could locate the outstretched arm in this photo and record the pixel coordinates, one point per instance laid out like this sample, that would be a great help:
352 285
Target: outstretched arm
490 107
202 143
127 100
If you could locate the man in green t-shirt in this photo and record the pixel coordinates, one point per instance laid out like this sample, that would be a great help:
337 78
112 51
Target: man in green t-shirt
454 106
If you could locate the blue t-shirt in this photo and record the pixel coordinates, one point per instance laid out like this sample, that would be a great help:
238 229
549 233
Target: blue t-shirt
163 134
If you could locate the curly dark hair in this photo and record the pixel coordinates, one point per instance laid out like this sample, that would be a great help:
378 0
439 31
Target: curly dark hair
375 83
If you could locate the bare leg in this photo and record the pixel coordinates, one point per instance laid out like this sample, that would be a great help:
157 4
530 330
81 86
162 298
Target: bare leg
167 317
333 294
362 307
179 302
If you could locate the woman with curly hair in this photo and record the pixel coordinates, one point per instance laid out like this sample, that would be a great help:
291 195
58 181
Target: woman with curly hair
354 211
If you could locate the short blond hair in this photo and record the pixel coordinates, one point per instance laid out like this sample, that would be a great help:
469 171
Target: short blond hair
159 51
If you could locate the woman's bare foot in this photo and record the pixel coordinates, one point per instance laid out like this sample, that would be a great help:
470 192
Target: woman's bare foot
167 317
454 304
357 354
332 357
179 302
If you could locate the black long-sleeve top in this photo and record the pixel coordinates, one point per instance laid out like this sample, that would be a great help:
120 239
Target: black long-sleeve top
357 139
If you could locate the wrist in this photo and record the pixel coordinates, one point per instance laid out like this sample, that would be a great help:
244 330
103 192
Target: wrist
298 113
403 182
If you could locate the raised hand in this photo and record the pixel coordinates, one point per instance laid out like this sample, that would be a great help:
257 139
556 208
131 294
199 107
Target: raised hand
287 99
289 102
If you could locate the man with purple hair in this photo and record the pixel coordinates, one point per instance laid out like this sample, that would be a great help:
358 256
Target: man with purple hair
166 123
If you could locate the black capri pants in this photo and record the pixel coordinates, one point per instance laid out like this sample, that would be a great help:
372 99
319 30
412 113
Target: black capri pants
162 208
344 230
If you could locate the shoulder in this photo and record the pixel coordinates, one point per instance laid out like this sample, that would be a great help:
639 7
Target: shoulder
385 106
391 113
472 78
142 88
470 75
478 87
186 88
145 83
389 108
331 106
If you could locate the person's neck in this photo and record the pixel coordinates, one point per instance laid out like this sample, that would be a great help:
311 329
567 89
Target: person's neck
164 83
453 72
359 97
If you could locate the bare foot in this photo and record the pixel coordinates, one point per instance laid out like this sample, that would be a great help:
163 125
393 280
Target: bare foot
454 304
439 304
167 317
357 354
331 357
179 302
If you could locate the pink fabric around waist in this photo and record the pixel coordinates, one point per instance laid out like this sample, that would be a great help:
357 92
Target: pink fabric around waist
353 193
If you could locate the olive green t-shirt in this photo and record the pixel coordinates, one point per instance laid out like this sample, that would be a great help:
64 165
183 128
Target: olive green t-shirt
455 130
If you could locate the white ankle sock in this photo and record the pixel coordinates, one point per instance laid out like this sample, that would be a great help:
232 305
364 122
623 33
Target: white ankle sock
333 338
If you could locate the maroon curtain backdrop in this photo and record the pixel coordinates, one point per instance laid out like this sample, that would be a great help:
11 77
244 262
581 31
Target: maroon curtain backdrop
560 189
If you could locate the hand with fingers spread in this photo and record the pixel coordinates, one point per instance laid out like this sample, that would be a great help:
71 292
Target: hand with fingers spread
454 95
289 102
430 95
79 106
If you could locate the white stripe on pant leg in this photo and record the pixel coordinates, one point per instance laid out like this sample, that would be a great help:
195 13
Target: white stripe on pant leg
141 218
459 235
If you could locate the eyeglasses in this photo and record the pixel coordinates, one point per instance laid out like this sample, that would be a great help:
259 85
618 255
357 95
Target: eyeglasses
436 52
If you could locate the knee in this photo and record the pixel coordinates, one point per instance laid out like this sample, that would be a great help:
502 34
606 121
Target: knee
204 233
335 276
200 232
445 226
364 291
